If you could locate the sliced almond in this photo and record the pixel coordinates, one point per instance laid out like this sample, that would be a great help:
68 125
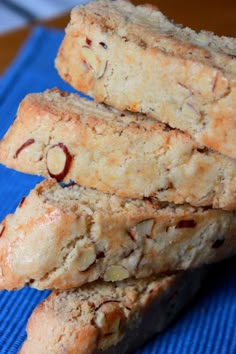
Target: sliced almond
220 85
110 319
58 161
102 70
2 228
91 59
94 62
23 146
21 202
190 111
86 258
116 273
144 228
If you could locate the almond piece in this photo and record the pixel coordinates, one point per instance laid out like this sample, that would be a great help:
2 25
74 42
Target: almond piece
116 273
86 258
2 228
102 70
91 59
144 228
94 62
21 202
110 319
23 146
190 111
58 161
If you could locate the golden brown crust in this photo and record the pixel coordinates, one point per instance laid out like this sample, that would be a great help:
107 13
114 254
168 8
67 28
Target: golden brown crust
127 154
52 331
112 318
66 237
134 58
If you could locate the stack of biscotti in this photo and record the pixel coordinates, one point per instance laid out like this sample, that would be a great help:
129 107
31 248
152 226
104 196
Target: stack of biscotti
133 203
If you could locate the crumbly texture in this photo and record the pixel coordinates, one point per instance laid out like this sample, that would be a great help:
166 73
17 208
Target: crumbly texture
64 136
134 58
112 318
64 237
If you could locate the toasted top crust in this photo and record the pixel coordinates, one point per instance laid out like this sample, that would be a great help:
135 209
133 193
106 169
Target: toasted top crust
142 24
135 58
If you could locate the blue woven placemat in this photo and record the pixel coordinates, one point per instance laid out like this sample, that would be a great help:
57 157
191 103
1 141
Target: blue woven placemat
208 327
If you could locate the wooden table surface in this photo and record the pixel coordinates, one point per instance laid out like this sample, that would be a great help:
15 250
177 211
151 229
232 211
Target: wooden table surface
218 16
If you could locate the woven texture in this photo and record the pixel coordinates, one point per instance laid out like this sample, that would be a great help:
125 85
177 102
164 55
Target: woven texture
207 327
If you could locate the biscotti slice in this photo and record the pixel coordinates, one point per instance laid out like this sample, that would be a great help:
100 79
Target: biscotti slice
108 317
134 58
69 138
66 236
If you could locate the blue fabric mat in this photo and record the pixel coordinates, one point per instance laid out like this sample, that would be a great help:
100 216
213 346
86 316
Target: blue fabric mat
209 325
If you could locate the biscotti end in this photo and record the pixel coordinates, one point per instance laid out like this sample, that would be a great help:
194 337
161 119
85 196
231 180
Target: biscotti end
112 318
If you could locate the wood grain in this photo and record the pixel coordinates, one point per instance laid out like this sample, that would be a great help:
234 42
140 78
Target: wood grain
218 16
